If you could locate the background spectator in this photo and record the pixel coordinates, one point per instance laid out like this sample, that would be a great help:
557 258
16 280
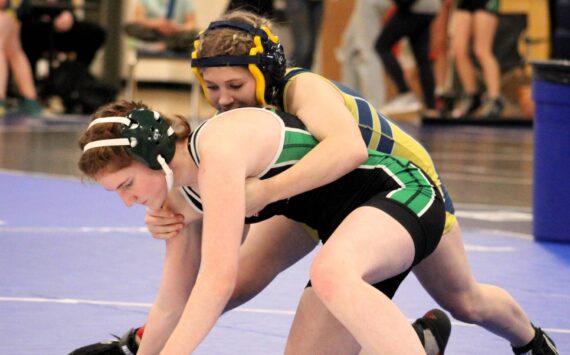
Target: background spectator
412 20
474 26
50 26
305 21
440 56
361 66
13 57
170 23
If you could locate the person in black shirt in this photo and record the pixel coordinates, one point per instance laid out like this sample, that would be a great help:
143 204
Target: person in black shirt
51 26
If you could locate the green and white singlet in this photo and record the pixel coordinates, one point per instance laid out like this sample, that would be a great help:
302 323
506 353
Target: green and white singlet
381 177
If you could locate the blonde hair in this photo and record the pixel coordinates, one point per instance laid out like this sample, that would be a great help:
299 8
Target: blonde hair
113 158
229 41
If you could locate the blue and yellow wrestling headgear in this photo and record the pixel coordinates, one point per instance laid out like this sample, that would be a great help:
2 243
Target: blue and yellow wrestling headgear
146 135
266 59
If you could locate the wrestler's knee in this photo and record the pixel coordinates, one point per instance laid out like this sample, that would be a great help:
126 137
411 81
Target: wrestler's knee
326 278
466 307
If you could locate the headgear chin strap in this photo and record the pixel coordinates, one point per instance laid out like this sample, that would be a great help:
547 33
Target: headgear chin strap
266 59
147 136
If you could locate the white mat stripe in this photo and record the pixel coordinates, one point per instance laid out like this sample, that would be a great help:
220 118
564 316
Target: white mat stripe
73 230
240 309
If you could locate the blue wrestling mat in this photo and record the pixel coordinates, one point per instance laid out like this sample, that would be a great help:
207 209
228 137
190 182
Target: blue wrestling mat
76 265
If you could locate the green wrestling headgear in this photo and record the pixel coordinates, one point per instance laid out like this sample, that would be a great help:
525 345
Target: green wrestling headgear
266 59
146 135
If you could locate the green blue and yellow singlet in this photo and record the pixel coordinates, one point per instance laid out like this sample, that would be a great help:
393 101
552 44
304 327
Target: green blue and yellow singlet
380 134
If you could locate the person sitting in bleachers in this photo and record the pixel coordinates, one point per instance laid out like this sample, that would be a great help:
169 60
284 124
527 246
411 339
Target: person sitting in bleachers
171 24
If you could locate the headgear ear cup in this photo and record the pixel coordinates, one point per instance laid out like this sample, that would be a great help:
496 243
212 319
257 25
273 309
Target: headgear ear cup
146 135
196 69
266 59
155 137
273 64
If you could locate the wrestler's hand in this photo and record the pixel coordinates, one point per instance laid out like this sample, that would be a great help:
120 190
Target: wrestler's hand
163 223
257 196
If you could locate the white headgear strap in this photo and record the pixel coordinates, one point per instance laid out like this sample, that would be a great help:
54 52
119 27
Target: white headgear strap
168 174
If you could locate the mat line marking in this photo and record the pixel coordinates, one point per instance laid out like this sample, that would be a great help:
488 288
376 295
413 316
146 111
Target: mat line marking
46 230
39 174
148 305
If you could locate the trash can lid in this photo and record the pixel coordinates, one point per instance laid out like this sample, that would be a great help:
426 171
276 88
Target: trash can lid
557 71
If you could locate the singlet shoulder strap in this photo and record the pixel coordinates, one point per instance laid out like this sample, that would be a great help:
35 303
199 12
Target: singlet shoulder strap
193 142
192 198
290 74
294 72
189 194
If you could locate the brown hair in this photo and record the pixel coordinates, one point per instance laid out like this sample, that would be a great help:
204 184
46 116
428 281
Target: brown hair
114 158
228 41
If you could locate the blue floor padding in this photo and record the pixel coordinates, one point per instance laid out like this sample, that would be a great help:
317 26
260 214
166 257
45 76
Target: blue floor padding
35 201
15 120
48 254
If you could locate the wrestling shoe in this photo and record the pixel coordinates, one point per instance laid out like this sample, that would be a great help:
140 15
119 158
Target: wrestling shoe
467 106
433 329
126 345
30 107
492 108
540 345
401 104
444 104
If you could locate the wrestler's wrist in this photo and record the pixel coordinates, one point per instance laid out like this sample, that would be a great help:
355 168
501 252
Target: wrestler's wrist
272 190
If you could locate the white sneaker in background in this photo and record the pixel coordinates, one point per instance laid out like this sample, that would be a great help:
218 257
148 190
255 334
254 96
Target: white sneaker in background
403 103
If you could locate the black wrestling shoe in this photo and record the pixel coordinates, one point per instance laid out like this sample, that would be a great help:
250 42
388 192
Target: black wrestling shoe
433 329
467 106
492 108
540 345
126 345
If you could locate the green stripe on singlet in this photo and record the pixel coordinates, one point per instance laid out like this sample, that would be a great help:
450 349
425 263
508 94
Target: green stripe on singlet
297 144
416 192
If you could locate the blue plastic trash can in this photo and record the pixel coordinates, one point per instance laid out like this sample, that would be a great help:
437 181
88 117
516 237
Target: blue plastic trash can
551 192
